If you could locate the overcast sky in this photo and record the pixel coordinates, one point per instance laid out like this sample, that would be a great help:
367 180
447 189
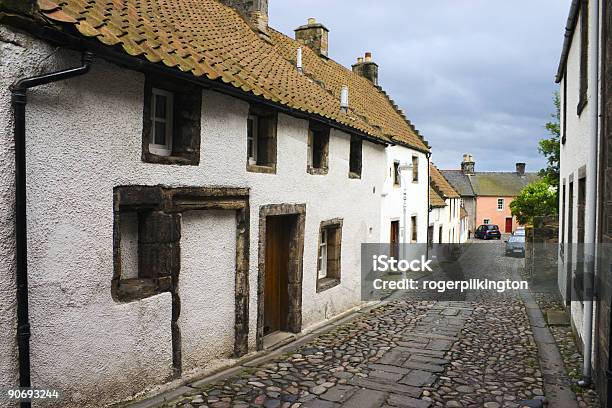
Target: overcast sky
474 76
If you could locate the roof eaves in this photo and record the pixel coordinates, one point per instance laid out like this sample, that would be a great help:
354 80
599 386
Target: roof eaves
567 41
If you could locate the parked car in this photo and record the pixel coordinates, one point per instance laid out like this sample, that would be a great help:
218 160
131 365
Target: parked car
519 232
487 231
516 245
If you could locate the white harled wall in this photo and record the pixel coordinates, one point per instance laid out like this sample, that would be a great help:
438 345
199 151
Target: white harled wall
574 156
84 138
392 196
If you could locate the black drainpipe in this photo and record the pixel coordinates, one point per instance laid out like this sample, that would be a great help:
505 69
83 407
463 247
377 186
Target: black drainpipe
19 100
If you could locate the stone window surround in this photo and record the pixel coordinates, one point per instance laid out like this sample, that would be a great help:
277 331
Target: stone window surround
186 130
328 283
323 133
295 272
176 201
270 116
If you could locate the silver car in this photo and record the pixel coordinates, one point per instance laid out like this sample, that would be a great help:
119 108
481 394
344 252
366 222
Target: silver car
515 246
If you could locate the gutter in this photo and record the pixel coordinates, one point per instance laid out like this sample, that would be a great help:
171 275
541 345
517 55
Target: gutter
19 101
567 41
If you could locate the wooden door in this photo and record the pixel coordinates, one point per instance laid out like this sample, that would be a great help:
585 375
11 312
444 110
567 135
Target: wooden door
278 231
509 225
394 239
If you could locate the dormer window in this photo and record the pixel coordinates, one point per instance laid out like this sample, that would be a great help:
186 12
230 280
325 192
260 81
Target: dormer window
171 123
162 107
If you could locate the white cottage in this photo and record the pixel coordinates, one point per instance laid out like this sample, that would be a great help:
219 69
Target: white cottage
447 224
182 197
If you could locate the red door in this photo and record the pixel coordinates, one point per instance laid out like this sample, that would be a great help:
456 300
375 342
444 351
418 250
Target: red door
509 225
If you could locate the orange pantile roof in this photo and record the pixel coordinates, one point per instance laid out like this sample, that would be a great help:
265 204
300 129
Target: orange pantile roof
211 40
434 198
440 184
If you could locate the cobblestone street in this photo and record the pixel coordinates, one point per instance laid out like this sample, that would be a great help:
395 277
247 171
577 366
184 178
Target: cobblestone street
474 353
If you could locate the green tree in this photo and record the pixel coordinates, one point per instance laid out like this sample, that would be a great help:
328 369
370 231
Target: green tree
550 148
536 199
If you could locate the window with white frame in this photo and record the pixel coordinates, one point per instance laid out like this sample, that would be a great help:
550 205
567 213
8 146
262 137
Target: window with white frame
500 204
486 221
261 139
252 130
329 254
323 254
162 107
171 122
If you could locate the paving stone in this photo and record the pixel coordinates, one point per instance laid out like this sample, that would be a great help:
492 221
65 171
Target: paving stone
428 360
385 375
339 393
387 387
418 378
434 368
366 399
403 401
318 403
389 368
433 353
441 345
557 318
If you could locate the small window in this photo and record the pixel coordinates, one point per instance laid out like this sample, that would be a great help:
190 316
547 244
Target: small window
396 173
584 55
413 224
415 169
329 254
318 148
162 107
486 221
355 157
261 140
171 123
500 204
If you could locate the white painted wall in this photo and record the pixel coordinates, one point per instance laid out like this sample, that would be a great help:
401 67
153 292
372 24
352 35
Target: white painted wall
84 138
447 218
574 155
392 196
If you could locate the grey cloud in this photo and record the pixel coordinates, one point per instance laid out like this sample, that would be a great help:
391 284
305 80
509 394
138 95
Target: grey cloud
472 75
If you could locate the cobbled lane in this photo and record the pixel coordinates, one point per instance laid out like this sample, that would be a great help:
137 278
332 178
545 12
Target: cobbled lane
478 352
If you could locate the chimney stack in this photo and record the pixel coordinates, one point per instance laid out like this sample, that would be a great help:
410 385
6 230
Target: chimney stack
255 12
315 36
520 169
467 165
367 68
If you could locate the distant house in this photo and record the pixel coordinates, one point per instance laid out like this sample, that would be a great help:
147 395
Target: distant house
487 195
445 216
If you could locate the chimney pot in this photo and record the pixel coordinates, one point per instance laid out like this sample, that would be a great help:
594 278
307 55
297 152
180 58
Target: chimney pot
314 35
520 169
367 69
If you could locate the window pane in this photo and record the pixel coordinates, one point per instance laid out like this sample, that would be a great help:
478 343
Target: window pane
160 133
160 106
